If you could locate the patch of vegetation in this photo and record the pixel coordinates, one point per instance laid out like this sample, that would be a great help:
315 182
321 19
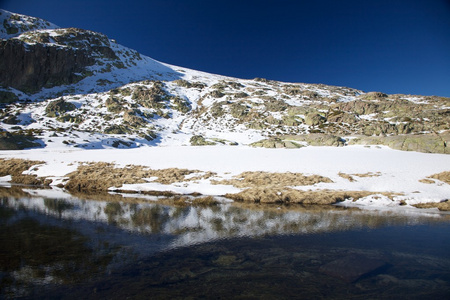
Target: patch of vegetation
346 176
152 97
58 107
293 90
102 176
217 109
116 129
149 136
238 110
274 105
288 195
442 206
181 104
267 179
204 201
9 29
70 118
16 168
133 119
240 95
290 121
187 84
443 176
310 94
217 94
114 104
121 91
182 83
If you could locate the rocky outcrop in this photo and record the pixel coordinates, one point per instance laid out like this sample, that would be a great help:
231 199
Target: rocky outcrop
59 107
297 141
427 143
17 141
30 67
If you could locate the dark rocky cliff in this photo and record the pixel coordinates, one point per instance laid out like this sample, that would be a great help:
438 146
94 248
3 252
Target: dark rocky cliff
29 67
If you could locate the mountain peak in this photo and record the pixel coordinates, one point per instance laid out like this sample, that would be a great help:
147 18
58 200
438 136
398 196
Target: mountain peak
13 24
69 87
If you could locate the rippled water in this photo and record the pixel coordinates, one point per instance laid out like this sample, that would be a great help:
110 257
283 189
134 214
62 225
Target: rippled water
129 247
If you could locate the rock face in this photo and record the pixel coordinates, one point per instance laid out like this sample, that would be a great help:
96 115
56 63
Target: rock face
29 67
37 54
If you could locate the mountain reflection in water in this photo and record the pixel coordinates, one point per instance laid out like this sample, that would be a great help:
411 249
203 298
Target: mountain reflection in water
53 245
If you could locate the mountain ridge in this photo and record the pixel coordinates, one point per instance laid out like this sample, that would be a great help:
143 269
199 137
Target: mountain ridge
77 88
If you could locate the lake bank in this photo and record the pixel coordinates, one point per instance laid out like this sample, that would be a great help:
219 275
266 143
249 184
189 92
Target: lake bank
352 175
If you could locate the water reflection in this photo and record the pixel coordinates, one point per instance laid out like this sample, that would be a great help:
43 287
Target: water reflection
33 253
188 225
48 242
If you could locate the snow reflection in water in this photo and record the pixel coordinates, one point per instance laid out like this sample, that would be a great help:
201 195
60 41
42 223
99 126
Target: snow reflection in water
121 231
187 225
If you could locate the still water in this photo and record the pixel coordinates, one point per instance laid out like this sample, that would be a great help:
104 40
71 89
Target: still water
111 247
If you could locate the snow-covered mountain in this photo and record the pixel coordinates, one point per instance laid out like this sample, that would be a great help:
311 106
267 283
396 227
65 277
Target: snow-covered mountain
69 87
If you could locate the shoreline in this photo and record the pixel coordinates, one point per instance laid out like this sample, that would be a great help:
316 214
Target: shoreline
372 177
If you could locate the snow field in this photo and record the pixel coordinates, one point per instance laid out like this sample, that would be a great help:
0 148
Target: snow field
392 170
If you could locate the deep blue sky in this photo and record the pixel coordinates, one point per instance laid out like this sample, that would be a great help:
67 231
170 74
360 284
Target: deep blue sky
393 46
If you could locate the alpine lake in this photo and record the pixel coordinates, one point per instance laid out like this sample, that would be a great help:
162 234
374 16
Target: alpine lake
127 247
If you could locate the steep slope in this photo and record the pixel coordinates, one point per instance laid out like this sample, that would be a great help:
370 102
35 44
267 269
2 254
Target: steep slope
77 88
45 62
15 24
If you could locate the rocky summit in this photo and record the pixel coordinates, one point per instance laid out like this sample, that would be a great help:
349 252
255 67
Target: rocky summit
70 87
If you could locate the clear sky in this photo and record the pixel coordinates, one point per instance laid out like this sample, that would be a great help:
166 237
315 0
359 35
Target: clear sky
393 46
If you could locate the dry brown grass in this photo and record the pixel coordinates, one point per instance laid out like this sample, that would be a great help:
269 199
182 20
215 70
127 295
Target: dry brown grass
15 168
101 176
427 181
369 174
351 177
206 175
346 176
271 195
204 201
443 176
273 180
442 206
